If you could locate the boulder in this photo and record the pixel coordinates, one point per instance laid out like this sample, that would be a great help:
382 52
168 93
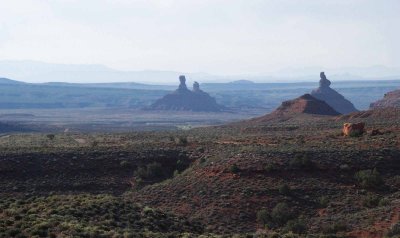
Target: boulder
353 129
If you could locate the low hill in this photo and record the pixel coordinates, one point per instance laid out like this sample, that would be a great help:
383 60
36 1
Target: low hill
391 99
300 107
306 104
9 81
242 81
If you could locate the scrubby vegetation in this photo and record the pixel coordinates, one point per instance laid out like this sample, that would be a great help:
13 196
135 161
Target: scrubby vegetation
286 179
87 216
394 230
301 162
369 178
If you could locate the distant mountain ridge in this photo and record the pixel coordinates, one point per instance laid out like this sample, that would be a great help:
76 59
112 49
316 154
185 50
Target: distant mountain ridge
239 96
39 72
35 71
9 81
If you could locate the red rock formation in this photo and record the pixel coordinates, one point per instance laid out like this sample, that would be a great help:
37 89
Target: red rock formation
353 129
304 106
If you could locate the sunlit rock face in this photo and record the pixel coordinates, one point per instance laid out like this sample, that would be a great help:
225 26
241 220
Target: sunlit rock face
184 99
334 99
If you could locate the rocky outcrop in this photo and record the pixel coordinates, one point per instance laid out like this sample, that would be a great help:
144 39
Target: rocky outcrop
391 99
353 129
334 99
184 99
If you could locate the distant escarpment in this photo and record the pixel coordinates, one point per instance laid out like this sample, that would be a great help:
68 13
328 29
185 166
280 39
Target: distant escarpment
391 99
301 106
334 99
184 99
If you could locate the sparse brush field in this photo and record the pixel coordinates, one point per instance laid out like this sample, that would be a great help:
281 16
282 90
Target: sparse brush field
291 178
87 215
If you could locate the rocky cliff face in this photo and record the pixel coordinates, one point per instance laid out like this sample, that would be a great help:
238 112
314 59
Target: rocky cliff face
391 99
184 99
334 99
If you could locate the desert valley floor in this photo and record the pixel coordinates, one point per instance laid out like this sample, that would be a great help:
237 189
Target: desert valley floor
272 176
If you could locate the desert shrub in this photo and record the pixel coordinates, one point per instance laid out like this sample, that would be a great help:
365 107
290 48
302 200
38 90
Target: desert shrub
289 235
181 140
281 213
125 164
37 231
141 172
371 201
176 173
284 189
263 216
94 144
180 165
234 168
301 162
356 133
369 178
383 202
323 201
277 217
334 228
270 168
394 230
297 226
153 170
13 232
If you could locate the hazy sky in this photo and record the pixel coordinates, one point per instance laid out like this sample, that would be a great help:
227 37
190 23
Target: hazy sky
214 36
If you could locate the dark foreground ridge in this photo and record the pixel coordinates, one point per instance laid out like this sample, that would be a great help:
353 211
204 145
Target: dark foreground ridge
184 99
331 97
